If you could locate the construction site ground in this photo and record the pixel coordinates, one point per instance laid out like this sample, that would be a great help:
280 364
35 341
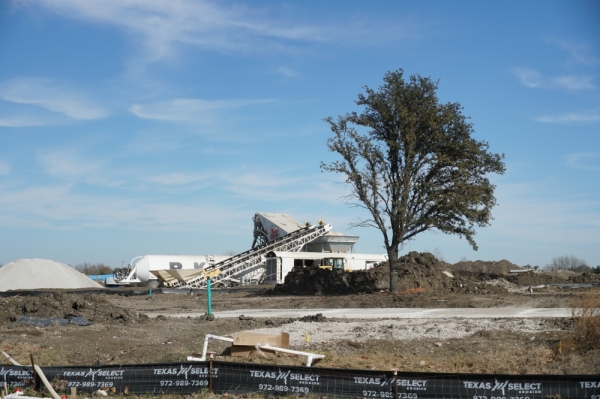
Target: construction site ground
123 334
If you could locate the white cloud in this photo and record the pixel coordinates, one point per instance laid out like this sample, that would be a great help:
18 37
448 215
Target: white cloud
4 168
176 178
583 160
159 25
529 77
22 121
60 207
70 165
286 72
533 79
195 110
571 117
574 82
580 52
542 221
46 94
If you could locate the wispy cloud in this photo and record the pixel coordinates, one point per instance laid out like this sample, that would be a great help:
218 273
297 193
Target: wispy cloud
4 168
571 117
60 207
583 160
580 53
528 77
542 221
286 72
532 78
177 178
160 25
23 121
68 164
49 95
574 82
186 110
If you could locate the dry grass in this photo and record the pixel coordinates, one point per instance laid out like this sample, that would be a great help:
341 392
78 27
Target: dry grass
586 327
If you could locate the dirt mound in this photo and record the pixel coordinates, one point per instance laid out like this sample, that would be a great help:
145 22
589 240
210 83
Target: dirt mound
92 307
585 278
417 272
313 280
501 268
532 278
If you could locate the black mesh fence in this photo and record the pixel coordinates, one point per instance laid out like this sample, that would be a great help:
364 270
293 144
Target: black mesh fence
239 378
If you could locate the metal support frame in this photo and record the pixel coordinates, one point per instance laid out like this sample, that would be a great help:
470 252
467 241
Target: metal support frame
245 261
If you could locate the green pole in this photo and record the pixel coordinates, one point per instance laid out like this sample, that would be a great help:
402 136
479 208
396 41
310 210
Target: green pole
209 297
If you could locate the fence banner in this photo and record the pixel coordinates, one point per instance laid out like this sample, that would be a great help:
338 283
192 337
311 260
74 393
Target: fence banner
238 378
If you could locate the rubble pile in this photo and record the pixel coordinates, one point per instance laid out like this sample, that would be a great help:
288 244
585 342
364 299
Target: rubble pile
500 268
585 278
533 278
95 308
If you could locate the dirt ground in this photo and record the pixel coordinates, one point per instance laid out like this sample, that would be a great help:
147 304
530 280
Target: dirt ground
122 335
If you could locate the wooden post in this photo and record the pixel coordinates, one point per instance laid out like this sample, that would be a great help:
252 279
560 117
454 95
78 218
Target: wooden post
5 388
73 393
36 378
210 370
2 395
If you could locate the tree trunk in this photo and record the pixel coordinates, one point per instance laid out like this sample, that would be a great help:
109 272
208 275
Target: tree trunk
393 261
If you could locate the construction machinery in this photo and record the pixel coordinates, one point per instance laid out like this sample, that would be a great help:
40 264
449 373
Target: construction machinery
249 265
279 264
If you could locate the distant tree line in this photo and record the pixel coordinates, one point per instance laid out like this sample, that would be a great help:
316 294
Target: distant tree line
93 268
572 263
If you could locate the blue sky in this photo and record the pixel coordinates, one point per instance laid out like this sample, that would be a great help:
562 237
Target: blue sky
132 127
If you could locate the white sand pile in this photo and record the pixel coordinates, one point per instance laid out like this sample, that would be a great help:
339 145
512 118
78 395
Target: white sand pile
36 274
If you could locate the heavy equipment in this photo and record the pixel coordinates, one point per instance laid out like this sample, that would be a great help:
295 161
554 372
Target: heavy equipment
249 265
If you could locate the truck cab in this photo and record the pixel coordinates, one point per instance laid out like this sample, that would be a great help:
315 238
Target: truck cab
333 263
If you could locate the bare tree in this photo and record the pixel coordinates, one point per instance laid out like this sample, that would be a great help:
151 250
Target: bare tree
92 269
568 262
413 165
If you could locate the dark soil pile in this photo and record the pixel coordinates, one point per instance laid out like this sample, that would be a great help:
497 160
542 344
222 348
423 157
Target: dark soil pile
313 280
94 308
418 273
532 278
585 278
500 268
